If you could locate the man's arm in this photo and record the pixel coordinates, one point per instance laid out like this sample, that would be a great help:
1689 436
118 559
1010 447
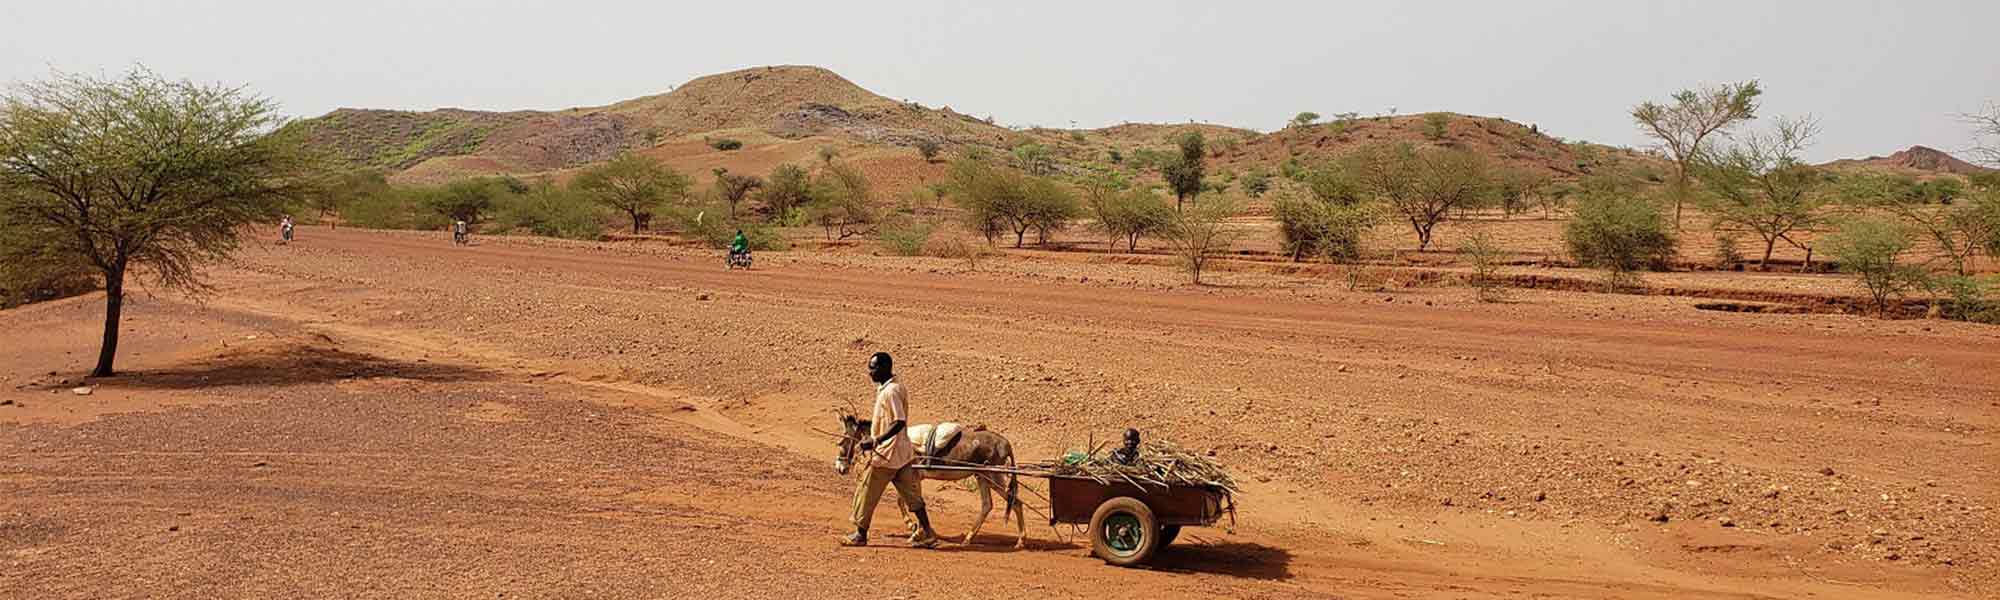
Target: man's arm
895 429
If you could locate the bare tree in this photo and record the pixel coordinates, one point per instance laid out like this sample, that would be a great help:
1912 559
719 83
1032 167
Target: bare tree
1685 124
1988 125
141 173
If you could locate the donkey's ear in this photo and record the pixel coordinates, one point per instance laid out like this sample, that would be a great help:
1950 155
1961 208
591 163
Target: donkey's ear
848 419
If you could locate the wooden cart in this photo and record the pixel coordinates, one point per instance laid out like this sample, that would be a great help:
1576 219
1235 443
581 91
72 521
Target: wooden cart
1128 522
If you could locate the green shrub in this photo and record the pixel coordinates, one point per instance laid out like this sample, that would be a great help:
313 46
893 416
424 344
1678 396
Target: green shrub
1321 228
1874 249
552 212
1968 299
1621 234
1486 254
1436 126
725 144
906 237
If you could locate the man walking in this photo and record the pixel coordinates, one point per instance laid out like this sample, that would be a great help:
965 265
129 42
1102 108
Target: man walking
890 453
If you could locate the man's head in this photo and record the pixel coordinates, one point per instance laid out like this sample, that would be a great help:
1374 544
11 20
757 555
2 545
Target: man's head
739 232
1132 438
880 367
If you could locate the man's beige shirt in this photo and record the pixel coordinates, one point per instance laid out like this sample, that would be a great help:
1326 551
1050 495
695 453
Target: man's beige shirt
891 405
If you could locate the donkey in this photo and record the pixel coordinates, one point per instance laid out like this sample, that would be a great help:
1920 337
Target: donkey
946 444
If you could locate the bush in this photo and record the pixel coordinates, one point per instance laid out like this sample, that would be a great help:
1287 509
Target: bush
929 149
1255 183
1728 251
1485 254
1329 229
552 212
1200 232
1620 234
725 144
399 208
905 237
1436 126
1970 299
1874 250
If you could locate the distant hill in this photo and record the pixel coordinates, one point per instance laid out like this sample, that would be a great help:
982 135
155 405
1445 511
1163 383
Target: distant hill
1917 160
787 113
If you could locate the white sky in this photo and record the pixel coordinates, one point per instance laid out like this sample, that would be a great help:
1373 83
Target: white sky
1880 75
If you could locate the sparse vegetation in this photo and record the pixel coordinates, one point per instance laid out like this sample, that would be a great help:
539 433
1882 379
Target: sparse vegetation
1304 120
929 149
725 144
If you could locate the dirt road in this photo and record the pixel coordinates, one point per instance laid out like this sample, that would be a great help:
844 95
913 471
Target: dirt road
383 414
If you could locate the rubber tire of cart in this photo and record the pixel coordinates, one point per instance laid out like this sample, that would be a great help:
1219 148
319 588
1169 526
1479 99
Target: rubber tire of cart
1167 535
1149 531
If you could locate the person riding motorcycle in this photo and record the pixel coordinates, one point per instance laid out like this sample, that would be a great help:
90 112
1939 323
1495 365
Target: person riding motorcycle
739 248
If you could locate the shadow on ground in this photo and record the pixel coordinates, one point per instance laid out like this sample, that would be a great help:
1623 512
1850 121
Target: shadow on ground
1234 559
288 365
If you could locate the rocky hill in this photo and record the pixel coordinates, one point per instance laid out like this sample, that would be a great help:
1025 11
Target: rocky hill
786 113
1917 160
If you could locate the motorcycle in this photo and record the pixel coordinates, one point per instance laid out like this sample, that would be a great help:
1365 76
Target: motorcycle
739 260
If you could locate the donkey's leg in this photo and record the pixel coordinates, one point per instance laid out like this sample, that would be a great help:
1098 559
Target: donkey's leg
985 505
1012 497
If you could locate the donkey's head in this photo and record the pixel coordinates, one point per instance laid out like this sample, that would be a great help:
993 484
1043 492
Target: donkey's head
852 431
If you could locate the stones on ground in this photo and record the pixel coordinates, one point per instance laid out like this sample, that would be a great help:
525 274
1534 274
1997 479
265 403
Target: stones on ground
83 391
1827 471
702 297
1541 496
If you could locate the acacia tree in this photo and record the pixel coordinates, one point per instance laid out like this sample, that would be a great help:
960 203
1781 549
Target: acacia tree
634 184
1184 173
841 201
733 188
1685 124
1764 186
1198 234
1304 119
1423 186
142 173
789 186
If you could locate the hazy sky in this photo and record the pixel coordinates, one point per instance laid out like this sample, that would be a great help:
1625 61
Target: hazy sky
1880 75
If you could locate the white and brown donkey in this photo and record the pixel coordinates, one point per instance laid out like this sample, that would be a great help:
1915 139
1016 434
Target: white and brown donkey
948 444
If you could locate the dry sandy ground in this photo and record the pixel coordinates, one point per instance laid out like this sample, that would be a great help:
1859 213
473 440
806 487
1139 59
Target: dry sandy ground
372 414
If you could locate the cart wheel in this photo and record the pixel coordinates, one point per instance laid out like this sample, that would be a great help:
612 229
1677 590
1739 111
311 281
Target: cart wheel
1123 532
1168 533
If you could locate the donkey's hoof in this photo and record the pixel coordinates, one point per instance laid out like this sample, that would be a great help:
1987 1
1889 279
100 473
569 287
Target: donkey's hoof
968 540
